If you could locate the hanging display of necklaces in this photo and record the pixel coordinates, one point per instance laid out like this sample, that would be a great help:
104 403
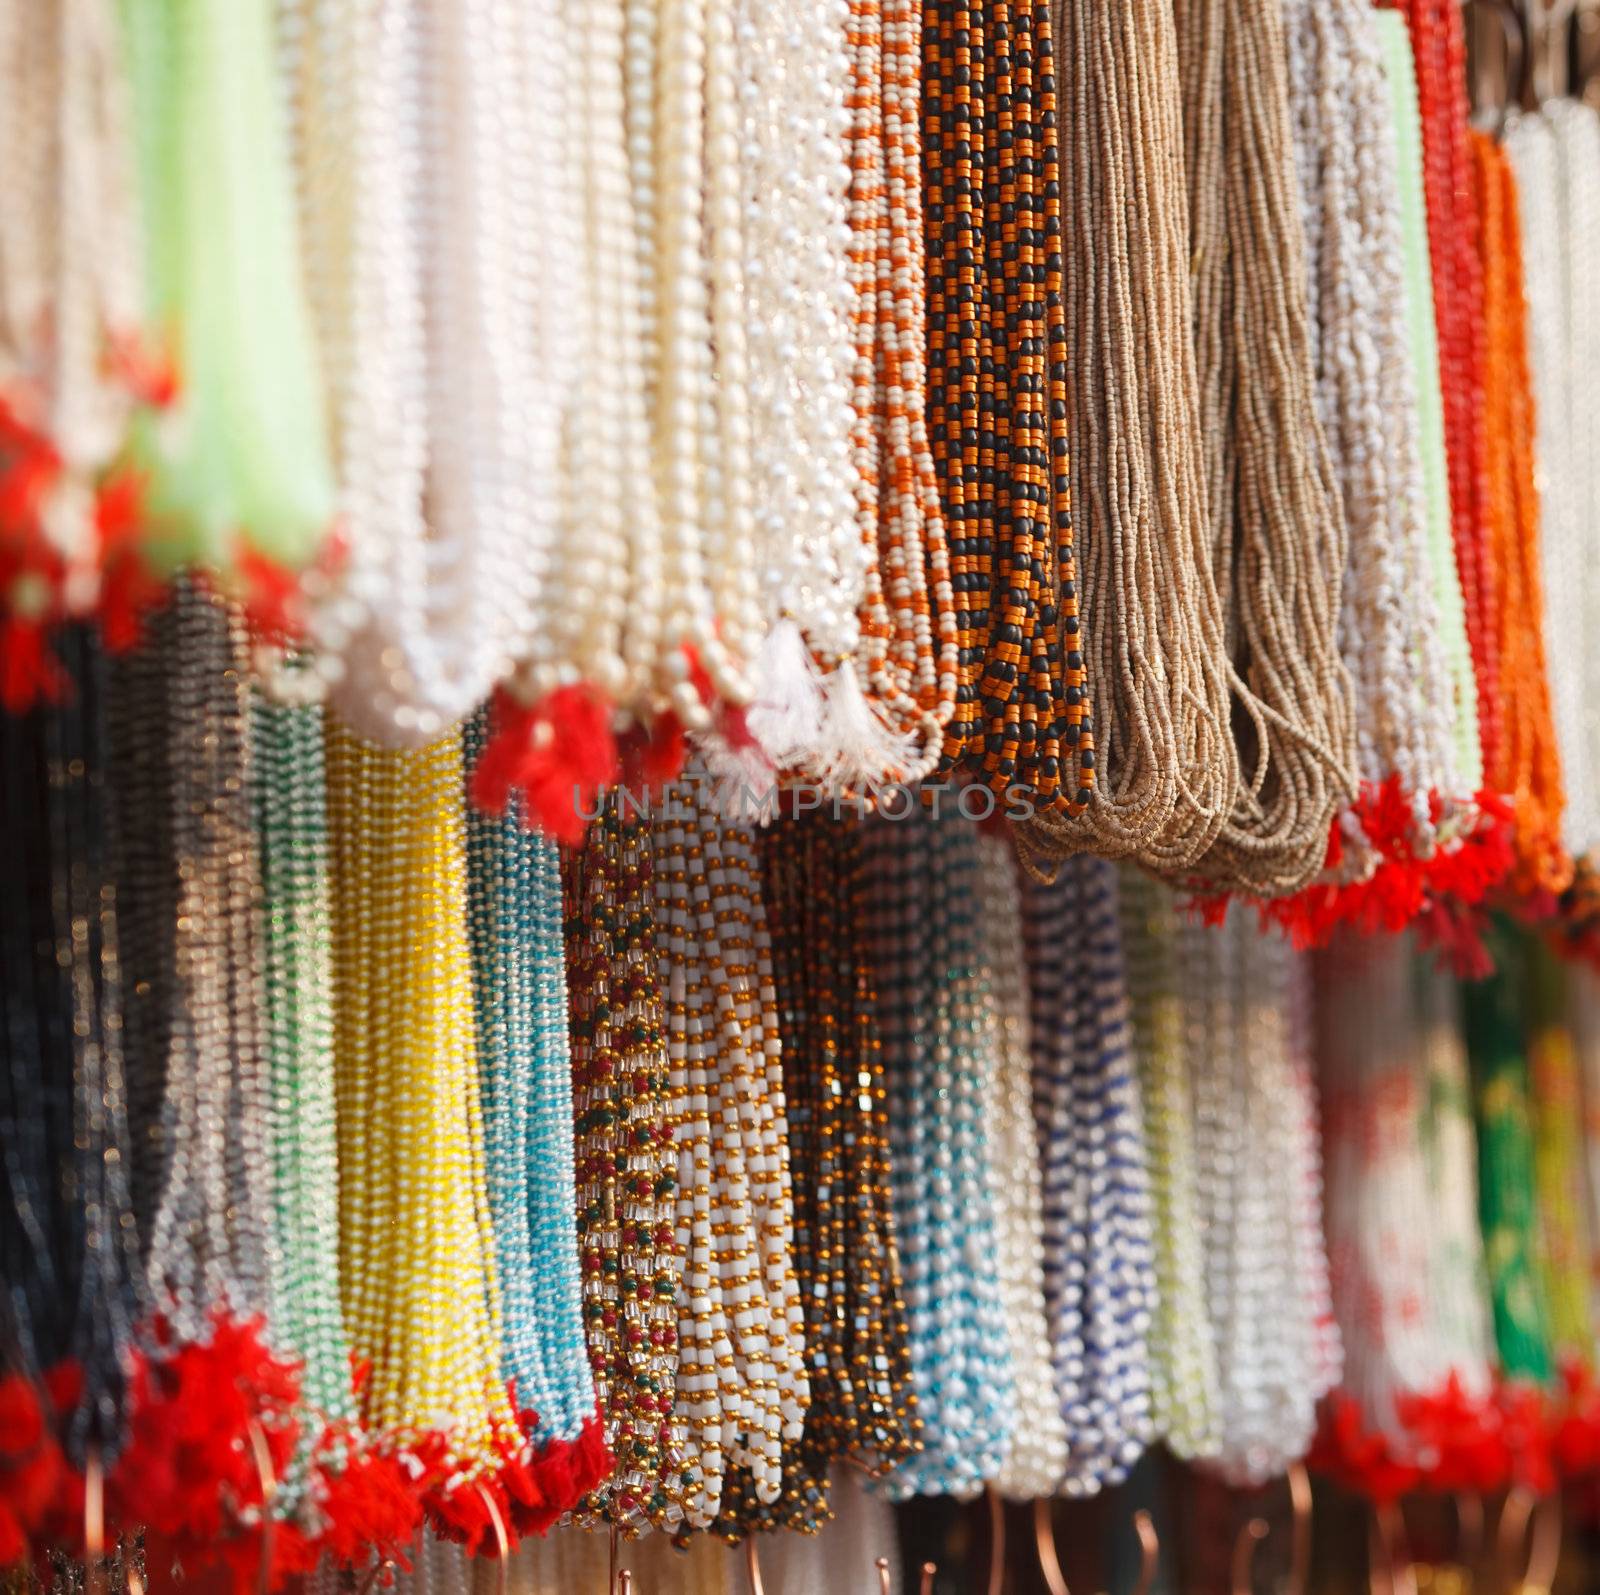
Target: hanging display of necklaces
742 1390
626 1168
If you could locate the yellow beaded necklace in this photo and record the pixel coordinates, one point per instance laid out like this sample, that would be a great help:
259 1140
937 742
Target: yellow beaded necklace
416 1250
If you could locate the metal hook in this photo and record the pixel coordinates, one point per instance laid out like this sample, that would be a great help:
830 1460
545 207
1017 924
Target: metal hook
885 1587
752 1564
1544 1553
1244 1555
625 1582
997 1541
926 1586
94 1523
261 1453
1519 53
611 1571
1149 1552
1044 1540
1388 1531
1300 1507
502 1542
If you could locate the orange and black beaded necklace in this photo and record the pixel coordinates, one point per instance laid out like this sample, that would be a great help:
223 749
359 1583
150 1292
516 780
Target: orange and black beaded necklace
997 416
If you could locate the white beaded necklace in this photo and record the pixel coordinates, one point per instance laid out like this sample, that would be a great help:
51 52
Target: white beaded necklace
742 1385
1556 155
1366 398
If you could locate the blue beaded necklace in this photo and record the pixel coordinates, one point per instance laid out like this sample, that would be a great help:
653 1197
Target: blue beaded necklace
1100 1276
525 1084
940 1053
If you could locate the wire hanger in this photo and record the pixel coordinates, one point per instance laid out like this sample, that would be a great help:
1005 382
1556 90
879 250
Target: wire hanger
1544 1550
1044 1539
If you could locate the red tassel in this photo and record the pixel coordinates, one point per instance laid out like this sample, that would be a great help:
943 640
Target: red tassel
559 754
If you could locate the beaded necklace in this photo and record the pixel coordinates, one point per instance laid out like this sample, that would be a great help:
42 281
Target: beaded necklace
905 658
1506 1200
1439 59
525 1085
238 477
1277 526
1522 760
1156 652
1366 398
1183 1352
1259 1187
937 1019
290 815
417 1265
68 1242
1413 1321
1556 157
997 397
1100 1270
862 1407
1399 72
742 1387
1037 1456
70 306
626 1169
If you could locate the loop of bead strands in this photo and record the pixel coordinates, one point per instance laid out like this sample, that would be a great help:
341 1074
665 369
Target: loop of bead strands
937 1022
1259 1187
630 1254
1277 526
1556 157
417 1267
514 920
1523 761
862 1408
742 1386
70 307
997 381
1366 398
1100 1266
1156 652
1183 1351
1036 1459
68 1243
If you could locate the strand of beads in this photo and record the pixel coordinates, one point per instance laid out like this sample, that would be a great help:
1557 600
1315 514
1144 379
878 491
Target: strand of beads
238 478
1183 1351
997 369
1366 400
290 816
936 1014
1100 1279
862 1409
1523 761
1036 1459
742 1388
68 1242
417 1266
626 1169
525 1085
1259 1185
1438 108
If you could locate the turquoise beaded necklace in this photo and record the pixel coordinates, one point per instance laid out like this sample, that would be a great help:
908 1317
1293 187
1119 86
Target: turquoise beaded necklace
525 1083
